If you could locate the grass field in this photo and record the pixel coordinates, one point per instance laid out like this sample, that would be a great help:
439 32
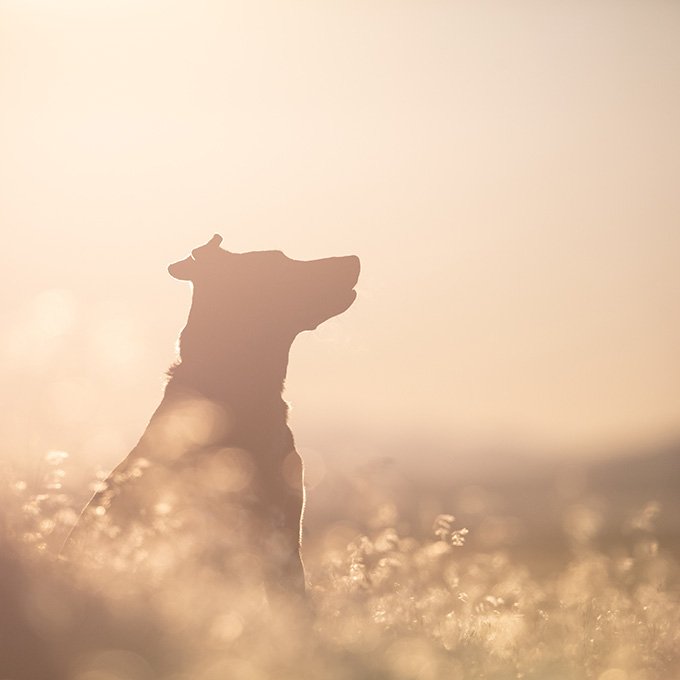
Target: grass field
384 604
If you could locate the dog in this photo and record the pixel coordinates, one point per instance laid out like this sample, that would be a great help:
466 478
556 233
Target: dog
215 481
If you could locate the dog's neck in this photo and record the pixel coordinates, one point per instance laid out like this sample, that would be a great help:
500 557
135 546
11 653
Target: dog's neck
224 391
243 369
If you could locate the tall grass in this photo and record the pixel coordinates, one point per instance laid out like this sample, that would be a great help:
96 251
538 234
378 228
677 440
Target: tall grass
382 605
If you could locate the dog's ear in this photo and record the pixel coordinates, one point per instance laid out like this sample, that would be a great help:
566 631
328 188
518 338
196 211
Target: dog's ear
183 270
210 248
186 270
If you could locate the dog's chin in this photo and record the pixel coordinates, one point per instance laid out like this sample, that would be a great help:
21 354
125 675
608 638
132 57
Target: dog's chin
330 306
350 297
344 301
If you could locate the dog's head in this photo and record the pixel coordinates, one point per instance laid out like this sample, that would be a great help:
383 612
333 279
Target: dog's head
267 288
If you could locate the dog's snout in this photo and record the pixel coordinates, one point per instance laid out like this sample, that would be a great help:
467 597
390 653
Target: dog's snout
352 265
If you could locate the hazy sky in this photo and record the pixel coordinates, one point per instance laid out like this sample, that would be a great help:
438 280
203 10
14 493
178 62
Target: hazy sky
507 172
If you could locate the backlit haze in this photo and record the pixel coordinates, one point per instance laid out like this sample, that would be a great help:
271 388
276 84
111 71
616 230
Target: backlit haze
506 171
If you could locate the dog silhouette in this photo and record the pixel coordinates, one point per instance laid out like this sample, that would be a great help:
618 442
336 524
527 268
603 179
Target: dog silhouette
215 480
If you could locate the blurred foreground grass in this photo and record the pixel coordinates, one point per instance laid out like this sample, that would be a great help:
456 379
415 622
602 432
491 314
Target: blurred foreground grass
384 604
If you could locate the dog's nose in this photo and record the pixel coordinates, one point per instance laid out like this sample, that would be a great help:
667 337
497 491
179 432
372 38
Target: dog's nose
353 265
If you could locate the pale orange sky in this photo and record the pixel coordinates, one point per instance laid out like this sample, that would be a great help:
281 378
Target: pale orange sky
507 172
